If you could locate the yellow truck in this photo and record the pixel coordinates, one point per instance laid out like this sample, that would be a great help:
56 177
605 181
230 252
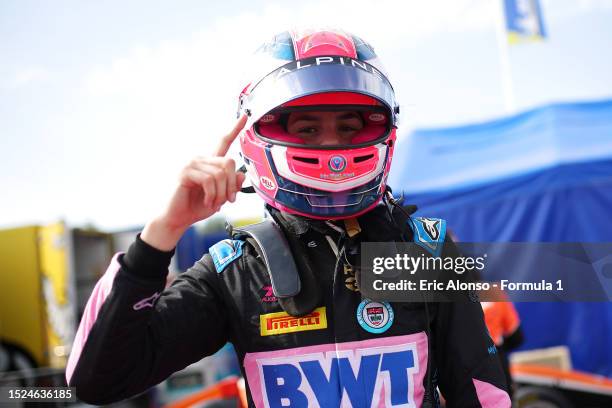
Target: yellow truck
43 270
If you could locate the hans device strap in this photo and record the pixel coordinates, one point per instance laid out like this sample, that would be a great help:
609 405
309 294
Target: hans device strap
276 255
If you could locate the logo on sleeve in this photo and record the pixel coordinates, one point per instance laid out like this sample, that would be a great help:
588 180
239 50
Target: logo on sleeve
282 322
146 302
375 317
225 252
431 227
429 233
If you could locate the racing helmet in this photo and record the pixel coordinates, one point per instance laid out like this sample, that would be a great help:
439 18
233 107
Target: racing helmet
312 70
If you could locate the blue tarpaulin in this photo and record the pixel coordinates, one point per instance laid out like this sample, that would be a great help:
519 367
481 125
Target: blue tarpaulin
194 244
540 176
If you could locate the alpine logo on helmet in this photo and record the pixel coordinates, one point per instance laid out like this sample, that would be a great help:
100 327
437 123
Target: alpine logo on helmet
301 64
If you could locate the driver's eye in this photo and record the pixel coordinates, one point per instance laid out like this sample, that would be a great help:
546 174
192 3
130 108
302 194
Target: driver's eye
309 130
347 128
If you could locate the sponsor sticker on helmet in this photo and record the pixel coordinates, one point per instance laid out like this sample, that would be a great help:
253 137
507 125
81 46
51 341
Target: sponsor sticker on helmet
267 183
375 317
282 322
267 118
376 117
337 163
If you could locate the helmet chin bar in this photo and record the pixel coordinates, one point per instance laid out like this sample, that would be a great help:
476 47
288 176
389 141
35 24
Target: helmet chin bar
324 179
304 181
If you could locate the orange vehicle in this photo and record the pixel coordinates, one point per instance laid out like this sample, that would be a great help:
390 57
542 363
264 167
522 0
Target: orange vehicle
541 386
229 391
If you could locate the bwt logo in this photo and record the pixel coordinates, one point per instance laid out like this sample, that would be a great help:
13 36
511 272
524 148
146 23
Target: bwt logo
358 378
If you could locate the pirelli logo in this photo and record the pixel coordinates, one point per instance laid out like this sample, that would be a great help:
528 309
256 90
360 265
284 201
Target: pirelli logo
281 322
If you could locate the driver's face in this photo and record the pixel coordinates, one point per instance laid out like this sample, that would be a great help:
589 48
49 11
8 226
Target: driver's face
325 128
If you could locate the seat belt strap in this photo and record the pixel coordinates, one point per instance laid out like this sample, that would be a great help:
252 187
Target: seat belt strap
277 256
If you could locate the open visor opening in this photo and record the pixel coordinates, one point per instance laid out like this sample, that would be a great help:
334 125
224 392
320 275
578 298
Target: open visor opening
304 126
318 75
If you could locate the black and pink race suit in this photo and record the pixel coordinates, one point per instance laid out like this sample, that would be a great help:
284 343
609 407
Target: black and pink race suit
134 333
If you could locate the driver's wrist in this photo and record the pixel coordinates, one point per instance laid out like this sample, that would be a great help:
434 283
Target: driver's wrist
161 235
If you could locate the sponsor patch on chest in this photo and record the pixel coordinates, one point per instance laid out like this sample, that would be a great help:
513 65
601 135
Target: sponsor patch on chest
282 322
369 373
375 317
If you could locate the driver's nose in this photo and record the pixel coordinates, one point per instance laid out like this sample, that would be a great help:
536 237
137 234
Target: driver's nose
330 137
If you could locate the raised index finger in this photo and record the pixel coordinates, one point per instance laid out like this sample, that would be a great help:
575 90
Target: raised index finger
227 140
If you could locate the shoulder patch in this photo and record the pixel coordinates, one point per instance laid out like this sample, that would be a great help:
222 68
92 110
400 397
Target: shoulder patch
225 252
429 233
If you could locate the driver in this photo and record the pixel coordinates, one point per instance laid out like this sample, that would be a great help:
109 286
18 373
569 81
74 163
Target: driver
317 130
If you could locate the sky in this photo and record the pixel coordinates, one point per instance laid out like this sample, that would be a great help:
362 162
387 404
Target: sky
103 103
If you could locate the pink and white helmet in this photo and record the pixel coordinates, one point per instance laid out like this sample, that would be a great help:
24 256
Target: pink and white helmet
318 70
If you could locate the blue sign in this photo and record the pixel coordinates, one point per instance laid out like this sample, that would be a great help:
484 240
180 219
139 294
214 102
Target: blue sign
524 20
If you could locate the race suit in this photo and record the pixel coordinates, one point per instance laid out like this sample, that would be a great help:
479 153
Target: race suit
134 334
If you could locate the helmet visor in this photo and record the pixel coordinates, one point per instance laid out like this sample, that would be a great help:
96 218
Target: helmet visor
325 126
317 75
